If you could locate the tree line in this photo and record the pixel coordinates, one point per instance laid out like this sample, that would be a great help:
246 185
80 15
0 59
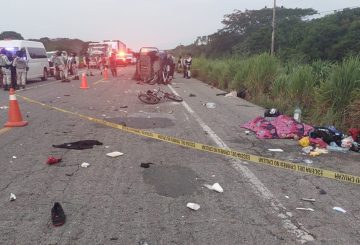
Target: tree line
299 36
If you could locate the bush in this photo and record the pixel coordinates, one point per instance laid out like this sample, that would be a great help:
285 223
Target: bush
336 95
263 71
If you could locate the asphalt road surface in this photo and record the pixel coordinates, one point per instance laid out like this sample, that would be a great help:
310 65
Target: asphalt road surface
115 201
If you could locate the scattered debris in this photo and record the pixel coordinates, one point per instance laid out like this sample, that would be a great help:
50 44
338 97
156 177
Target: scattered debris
14 157
115 154
114 238
282 127
53 160
339 209
272 112
210 105
85 165
308 161
321 151
171 112
57 215
123 107
192 95
276 150
193 206
306 209
12 197
145 164
304 142
231 94
215 187
287 197
79 145
307 149
107 146
247 132
58 97
308 199
221 94
143 242
322 192
67 95
314 154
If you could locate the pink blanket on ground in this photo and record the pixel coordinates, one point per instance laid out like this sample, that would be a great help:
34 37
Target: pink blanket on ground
278 127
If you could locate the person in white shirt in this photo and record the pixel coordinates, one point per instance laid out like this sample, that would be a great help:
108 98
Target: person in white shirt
5 64
20 64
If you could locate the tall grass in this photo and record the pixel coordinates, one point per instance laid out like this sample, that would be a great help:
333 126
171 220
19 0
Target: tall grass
328 93
336 95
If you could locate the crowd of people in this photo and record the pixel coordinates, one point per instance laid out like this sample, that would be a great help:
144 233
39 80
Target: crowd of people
13 69
14 66
65 65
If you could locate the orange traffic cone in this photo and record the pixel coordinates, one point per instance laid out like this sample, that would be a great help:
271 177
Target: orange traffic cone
106 75
84 84
15 118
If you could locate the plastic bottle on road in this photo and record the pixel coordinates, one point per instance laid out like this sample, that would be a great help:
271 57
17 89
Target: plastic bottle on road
297 114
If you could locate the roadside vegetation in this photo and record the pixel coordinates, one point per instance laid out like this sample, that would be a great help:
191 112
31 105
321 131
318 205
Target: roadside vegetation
316 64
327 92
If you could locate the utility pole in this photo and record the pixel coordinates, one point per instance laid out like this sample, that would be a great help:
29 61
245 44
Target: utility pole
273 30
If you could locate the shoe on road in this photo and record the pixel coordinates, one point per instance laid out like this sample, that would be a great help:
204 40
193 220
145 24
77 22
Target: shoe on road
57 215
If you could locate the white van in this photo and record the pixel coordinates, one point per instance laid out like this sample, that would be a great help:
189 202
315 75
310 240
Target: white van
35 56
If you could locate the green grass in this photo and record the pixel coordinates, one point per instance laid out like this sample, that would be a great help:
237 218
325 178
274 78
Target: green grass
328 93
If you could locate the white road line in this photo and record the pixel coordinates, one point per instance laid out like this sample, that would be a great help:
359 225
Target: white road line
259 188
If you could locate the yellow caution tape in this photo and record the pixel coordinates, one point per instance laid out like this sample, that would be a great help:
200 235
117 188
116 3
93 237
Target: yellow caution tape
221 151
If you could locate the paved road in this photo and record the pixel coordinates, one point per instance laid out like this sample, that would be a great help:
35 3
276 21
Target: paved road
115 201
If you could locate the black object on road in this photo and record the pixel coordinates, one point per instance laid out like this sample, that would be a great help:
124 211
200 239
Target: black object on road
222 94
79 145
57 215
192 95
272 112
145 164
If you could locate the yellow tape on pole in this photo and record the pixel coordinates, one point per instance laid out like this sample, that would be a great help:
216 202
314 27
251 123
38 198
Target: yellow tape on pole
212 149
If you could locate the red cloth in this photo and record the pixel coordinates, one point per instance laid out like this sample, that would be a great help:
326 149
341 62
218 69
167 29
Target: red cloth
354 132
318 141
279 127
53 160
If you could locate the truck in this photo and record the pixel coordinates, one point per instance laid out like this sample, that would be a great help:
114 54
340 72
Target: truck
116 46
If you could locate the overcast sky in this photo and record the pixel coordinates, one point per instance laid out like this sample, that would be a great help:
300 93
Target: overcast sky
161 23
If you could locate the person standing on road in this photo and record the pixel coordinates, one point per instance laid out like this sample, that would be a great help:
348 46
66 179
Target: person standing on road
86 61
179 64
64 57
112 63
20 65
5 65
187 66
103 63
73 63
59 65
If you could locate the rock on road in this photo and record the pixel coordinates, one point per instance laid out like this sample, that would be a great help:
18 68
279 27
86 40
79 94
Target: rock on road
115 201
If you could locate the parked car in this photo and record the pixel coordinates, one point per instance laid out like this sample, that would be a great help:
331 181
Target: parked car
129 59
